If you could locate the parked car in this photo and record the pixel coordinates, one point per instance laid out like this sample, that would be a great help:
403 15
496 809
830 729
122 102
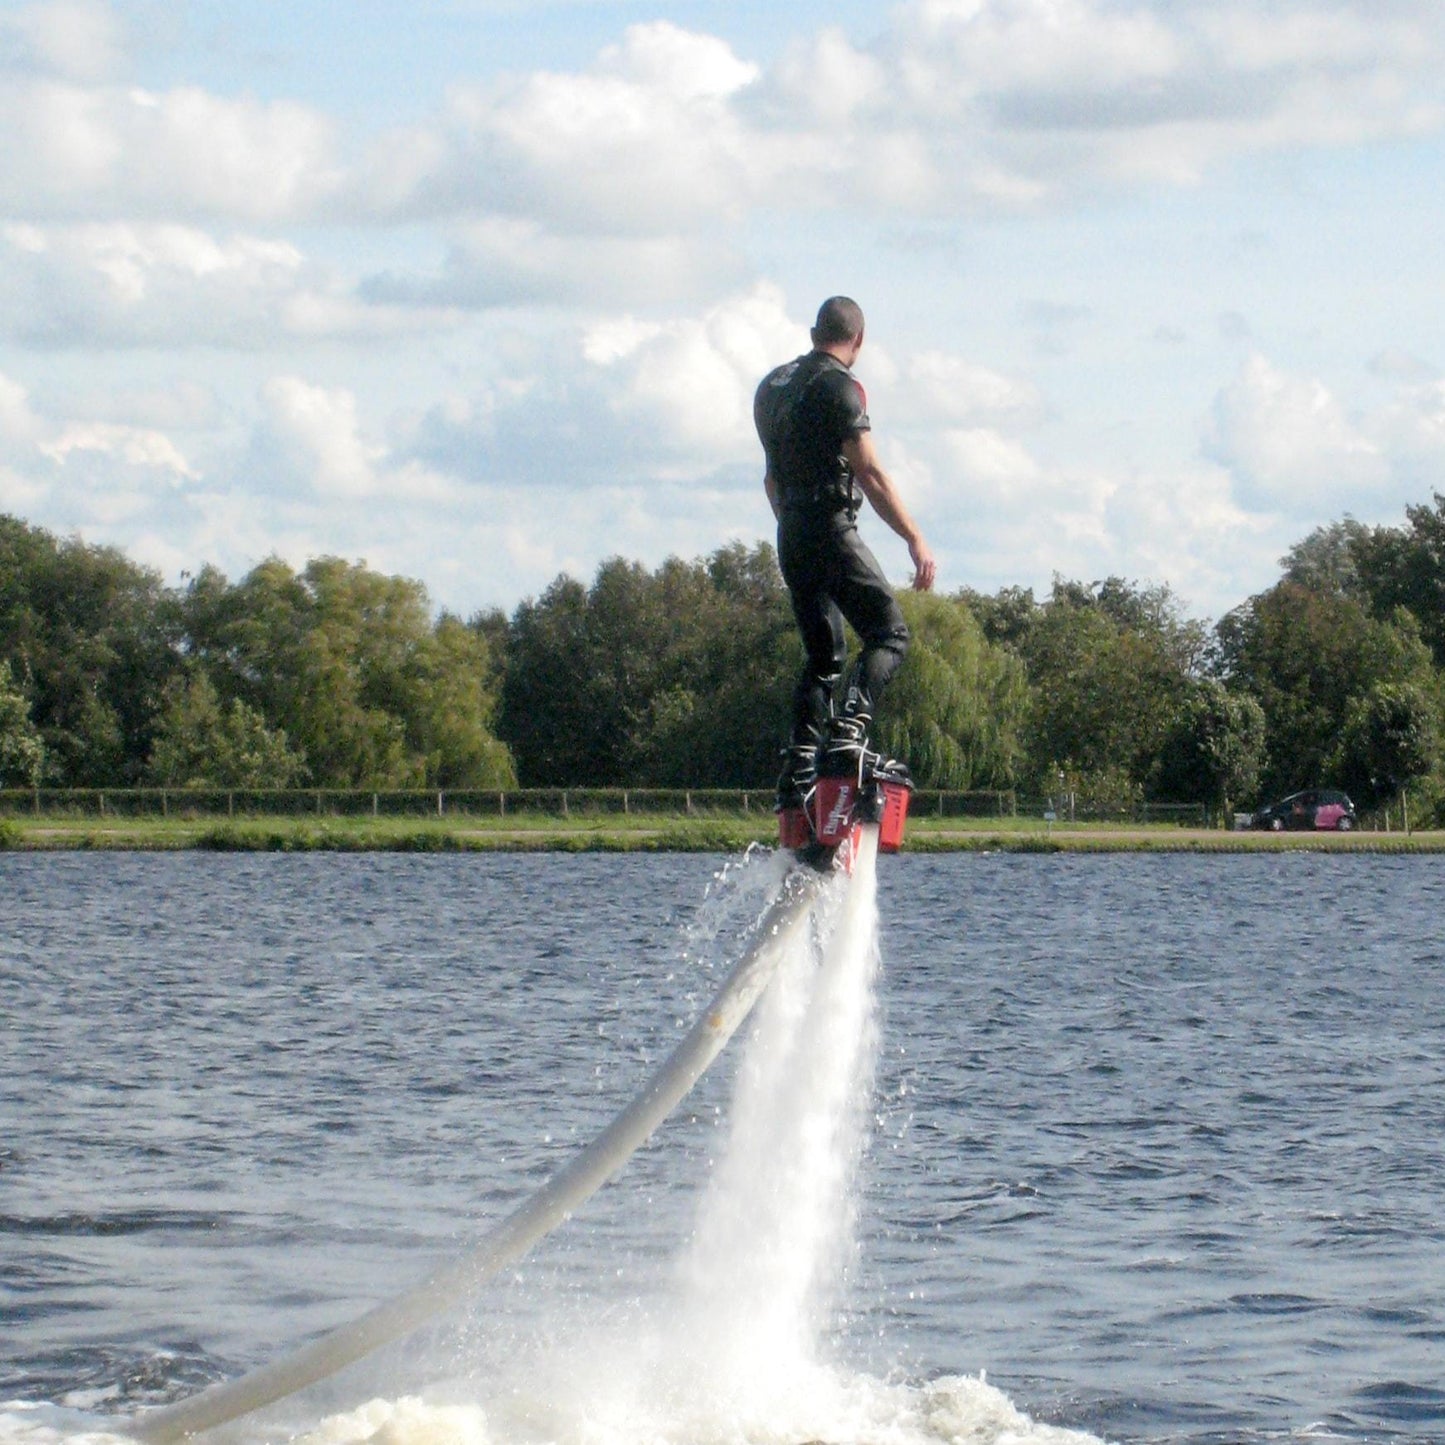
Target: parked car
1313 808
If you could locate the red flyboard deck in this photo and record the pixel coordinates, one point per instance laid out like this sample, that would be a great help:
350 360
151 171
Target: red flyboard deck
895 815
837 811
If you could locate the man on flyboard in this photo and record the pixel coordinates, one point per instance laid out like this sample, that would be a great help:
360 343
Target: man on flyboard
812 419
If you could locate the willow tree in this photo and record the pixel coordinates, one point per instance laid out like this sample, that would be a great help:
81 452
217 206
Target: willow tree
204 743
955 710
22 754
350 665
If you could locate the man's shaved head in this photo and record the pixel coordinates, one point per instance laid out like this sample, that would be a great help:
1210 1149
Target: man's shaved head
840 318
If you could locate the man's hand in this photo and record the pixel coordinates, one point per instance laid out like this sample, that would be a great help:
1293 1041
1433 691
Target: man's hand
924 567
883 496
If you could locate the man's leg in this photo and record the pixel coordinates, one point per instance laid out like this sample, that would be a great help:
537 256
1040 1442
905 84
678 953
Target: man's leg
804 558
870 607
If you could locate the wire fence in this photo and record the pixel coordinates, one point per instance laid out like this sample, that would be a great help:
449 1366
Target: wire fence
184 803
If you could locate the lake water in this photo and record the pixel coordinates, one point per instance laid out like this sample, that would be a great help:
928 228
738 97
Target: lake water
1132 1148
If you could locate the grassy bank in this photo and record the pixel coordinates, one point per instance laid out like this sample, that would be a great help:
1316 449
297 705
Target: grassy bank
705 833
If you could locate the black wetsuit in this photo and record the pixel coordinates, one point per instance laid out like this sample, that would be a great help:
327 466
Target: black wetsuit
805 411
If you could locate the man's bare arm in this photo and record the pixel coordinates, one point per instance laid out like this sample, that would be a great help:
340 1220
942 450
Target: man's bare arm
878 487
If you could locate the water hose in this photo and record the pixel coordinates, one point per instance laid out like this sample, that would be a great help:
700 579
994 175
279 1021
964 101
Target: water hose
554 1202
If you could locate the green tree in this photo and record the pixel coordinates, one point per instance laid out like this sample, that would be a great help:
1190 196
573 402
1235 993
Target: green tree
201 742
93 635
545 720
349 665
1106 681
723 710
453 698
1327 560
957 707
22 754
1390 740
1305 655
1153 612
1215 752
1405 567
1006 617
675 677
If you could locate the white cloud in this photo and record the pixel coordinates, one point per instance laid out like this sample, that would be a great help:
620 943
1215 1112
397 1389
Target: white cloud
677 62
1412 428
1013 47
105 470
19 426
311 441
20 494
624 397
1396 364
646 140
1007 518
71 38
578 250
825 79
509 262
1318 36
1289 443
996 471
1063 96
953 389
125 284
690 383
133 447
84 152
21 489
670 135
1187 529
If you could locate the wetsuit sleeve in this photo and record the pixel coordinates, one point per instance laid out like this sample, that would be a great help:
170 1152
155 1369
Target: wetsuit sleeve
761 416
849 405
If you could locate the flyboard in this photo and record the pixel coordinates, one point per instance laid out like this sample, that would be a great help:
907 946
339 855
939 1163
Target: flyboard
826 830
849 822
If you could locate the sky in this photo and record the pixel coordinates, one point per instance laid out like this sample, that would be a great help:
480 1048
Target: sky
477 292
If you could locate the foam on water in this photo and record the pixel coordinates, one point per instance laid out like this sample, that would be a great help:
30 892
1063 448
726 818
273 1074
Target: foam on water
734 1351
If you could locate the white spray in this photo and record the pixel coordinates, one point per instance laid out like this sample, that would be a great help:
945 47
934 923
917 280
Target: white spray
774 1233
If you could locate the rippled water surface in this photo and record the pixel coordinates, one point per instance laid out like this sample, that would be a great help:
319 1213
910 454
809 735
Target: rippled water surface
1156 1144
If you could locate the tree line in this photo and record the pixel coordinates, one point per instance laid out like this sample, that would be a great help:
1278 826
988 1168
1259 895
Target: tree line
338 676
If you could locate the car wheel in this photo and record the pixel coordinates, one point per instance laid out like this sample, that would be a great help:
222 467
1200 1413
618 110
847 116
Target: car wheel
1276 825
1345 824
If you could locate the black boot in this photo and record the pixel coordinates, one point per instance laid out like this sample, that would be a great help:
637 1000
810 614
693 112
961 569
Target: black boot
799 776
846 753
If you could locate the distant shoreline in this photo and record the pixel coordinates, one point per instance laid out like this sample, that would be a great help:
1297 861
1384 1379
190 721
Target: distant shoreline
662 833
